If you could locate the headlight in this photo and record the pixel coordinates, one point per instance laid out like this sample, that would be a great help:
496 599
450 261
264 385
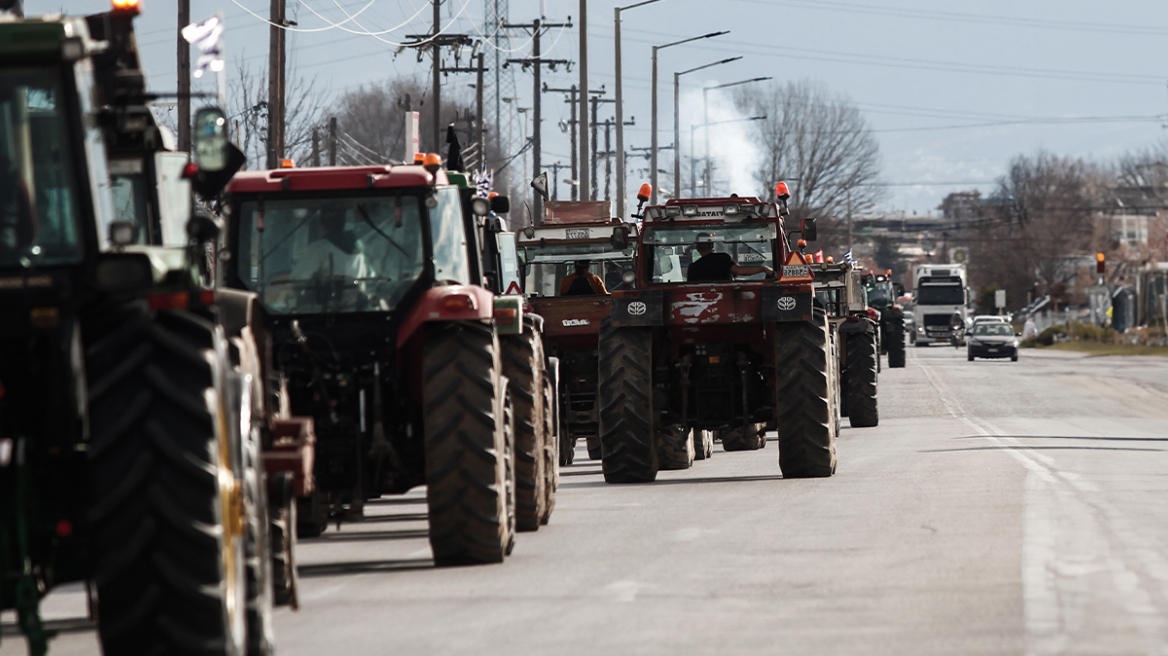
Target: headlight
629 277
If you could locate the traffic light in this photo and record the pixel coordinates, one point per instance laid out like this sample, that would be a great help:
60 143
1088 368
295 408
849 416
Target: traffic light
1100 264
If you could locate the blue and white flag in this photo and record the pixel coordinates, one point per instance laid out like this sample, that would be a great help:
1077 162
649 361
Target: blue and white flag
849 259
206 37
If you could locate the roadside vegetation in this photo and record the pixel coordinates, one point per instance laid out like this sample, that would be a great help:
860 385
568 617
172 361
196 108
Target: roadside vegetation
1096 340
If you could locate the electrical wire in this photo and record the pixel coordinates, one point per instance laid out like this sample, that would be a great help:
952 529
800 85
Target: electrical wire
961 17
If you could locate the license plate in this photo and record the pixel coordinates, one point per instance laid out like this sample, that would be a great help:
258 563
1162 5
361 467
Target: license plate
796 271
577 233
993 350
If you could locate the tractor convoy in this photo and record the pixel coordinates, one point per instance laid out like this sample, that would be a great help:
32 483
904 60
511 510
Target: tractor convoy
201 365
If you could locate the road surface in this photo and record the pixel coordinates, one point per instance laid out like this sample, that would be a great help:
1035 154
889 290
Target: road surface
998 508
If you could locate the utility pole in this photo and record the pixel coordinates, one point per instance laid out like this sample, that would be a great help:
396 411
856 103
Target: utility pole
477 132
571 100
556 178
537 63
434 42
584 97
275 84
316 146
332 144
595 100
184 79
620 132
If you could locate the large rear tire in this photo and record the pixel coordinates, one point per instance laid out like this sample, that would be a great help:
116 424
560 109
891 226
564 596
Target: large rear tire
627 417
860 380
166 517
896 344
703 443
805 404
285 579
551 451
737 439
675 447
523 367
595 452
464 422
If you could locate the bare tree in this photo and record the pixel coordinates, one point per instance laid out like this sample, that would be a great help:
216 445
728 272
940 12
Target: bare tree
1042 212
372 119
247 107
1147 168
818 142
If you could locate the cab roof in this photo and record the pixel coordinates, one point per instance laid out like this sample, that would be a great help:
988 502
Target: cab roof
330 178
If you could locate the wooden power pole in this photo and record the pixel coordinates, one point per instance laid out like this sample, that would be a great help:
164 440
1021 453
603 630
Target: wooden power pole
537 62
184 79
276 84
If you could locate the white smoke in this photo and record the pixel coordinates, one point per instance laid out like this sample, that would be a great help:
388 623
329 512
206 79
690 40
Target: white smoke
734 150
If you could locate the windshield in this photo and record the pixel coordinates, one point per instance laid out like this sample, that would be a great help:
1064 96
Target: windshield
997 329
940 294
879 294
312 256
38 204
545 267
674 249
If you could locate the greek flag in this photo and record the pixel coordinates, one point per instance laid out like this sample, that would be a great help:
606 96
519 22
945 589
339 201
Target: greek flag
849 259
206 36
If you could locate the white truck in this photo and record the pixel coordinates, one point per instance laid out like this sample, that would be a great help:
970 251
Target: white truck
939 290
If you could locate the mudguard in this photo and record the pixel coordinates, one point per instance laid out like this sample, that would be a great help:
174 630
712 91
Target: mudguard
448 303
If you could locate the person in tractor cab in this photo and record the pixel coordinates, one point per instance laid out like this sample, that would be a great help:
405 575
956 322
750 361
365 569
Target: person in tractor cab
338 252
582 282
718 267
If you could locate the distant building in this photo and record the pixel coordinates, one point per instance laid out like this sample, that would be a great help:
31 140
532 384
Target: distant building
961 205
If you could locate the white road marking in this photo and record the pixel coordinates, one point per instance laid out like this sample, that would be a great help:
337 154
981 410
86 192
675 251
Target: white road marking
1071 534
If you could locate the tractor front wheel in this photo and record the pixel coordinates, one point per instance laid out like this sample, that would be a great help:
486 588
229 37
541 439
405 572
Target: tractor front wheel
805 404
627 418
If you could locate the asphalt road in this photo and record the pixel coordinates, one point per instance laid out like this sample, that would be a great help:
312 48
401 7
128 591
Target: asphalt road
999 508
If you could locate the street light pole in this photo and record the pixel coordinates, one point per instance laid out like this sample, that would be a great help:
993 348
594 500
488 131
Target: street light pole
620 130
677 120
706 121
653 119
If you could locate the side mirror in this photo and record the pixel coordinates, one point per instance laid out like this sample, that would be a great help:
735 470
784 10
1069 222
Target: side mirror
619 239
807 229
500 205
898 288
210 139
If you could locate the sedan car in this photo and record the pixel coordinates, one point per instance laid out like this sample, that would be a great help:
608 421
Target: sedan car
992 339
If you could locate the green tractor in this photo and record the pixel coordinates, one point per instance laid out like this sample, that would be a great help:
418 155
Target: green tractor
129 457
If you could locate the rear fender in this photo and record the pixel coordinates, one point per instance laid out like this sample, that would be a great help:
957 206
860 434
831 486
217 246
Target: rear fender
447 303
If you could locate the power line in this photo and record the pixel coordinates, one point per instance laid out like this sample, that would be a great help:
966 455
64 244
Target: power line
911 63
961 17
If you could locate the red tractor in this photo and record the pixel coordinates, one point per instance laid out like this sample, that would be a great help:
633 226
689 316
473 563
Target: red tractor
375 297
722 332
568 264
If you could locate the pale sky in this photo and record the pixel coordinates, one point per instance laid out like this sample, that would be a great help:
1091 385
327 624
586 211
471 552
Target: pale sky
953 90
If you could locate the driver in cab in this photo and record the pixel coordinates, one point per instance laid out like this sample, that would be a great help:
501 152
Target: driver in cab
337 253
718 267
582 282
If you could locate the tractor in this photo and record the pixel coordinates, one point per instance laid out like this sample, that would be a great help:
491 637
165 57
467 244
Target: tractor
721 332
882 293
838 288
130 458
377 293
575 237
